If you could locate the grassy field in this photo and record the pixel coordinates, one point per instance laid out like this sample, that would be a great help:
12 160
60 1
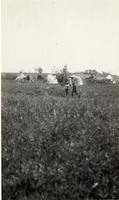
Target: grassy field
59 148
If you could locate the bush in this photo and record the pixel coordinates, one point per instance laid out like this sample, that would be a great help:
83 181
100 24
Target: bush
62 76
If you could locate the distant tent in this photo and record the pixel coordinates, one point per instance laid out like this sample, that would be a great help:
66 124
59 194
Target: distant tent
114 82
104 79
77 79
20 77
52 79
109 77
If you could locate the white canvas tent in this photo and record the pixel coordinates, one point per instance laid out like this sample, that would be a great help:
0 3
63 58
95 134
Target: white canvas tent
51 79
20 77
77 79
109 77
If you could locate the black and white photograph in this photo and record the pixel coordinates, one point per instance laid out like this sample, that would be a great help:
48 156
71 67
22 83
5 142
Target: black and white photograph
60 99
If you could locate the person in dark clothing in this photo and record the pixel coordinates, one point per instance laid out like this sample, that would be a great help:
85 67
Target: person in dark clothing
67 89
28 77
74 90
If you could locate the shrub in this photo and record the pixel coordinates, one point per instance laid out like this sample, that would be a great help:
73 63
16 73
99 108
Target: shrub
62 76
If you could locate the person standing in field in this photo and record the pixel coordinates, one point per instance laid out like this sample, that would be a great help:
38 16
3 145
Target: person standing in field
74 89
67 89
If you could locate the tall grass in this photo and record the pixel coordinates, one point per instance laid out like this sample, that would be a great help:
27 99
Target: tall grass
55 147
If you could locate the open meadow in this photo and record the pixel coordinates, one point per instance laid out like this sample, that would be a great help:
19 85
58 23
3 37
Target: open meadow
59 148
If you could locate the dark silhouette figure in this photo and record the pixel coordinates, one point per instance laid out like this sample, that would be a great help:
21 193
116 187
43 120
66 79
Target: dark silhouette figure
39 76
28 78
67 89
74 90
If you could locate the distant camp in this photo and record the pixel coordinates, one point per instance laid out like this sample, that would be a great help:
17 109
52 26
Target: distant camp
23 77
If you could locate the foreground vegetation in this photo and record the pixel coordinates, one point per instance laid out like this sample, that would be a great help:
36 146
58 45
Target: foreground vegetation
54 147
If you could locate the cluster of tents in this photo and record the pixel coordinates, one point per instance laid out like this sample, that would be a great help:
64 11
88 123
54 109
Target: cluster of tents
22 77
106 79
51 79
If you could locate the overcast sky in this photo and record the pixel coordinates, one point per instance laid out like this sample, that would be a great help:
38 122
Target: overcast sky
84 34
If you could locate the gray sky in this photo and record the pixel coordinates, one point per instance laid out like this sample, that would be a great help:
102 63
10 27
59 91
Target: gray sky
80 33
